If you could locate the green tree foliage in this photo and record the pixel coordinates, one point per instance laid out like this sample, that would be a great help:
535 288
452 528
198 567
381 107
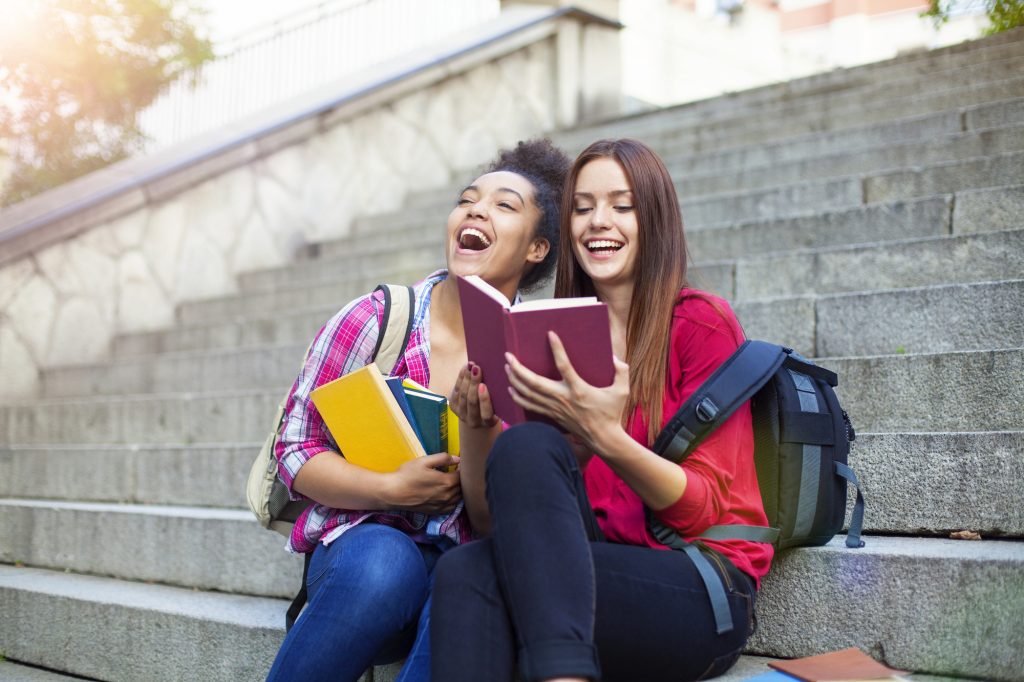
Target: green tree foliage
1003 14
74 74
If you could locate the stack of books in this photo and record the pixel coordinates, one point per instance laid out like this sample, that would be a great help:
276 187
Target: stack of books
380 423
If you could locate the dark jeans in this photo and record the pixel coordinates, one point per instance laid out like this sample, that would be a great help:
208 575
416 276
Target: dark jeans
546 596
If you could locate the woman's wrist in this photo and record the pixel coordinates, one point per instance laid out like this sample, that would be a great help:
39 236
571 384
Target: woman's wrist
611 442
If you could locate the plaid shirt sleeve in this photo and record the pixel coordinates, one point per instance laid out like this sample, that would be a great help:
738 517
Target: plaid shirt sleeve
344 344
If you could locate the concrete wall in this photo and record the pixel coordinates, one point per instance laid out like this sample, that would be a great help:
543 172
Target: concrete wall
124 264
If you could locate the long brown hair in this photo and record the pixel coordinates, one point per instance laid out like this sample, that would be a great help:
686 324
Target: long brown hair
660 269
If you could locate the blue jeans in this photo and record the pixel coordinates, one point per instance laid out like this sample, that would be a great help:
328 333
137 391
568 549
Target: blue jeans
369 604
546 595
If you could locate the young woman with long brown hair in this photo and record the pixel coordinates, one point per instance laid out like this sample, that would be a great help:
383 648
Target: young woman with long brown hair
570 583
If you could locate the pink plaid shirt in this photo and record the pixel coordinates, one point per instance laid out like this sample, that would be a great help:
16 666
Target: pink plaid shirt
344 344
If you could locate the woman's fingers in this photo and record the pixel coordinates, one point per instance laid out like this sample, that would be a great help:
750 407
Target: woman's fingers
562 361
486 407
526 380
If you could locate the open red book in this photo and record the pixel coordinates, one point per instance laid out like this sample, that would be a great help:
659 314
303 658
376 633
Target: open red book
493 326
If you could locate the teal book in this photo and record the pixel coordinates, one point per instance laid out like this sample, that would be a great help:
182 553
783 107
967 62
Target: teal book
430 414
397 390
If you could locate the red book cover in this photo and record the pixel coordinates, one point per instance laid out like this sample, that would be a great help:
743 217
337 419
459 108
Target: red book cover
846 664
493 326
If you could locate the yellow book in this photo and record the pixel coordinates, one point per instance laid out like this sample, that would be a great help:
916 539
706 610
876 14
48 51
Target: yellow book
366 422
453 421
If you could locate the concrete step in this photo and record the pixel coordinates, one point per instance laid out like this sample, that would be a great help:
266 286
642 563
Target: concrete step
946 607
203 371
422 218
914 483
818 144
861 224
989 210
960 146
359 255
838 112
962 391
14 672
990 171
210 549
164 419
834 194
118 630
891 393
195 475
291 327
936 483
936 319
926 217
976 583
928 319
952 84
926 261
766 148
335 290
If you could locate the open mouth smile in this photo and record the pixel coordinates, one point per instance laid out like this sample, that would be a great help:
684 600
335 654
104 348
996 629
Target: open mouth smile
603 246
472 239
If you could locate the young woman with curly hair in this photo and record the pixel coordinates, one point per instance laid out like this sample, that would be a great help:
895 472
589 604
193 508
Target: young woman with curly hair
375 537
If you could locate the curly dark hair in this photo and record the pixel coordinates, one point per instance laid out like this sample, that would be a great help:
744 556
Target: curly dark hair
546 167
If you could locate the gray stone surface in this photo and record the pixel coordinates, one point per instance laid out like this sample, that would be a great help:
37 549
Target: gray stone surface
851 162
12 672
928 217
926 320
287 328
896 132
778 122
207 476
364 255
964 391
118 630
988 171
883 265
209 549
788 321
240 368
935 483
900 72
989 210
945 607
343 288
803 198
228 416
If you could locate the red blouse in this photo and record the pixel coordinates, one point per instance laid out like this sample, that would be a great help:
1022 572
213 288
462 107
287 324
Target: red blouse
721 485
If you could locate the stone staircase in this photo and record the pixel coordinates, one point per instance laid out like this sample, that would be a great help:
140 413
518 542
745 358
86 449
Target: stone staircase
873 218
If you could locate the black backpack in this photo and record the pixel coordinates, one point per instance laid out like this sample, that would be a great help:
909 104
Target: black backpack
801 442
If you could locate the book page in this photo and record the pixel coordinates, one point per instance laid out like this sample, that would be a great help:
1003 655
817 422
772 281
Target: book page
553 303
486 288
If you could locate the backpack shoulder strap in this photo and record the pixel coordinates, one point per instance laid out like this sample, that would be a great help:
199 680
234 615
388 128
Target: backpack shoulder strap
396 327
734 383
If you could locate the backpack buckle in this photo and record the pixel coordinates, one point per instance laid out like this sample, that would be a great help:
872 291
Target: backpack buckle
706 410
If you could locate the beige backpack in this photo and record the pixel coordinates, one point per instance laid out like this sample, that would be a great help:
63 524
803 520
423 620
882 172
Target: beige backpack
266 493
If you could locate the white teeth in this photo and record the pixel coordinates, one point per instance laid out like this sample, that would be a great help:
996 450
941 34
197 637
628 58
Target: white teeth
596 244
473 232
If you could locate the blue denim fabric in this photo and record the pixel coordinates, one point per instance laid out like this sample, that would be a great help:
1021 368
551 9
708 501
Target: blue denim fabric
368 605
